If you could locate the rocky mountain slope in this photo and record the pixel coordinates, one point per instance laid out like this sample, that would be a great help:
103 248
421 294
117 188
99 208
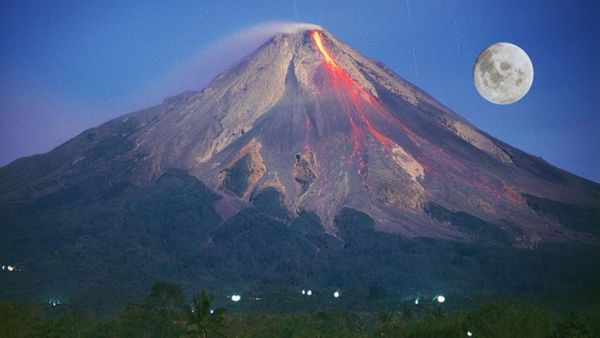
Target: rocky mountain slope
267 167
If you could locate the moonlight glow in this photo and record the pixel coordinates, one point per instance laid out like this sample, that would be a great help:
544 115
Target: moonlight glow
503 73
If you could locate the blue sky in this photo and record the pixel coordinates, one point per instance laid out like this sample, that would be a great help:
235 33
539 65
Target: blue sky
69 65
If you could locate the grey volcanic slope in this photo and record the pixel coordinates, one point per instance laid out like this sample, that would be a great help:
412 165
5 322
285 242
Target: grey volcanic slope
329 129
312 125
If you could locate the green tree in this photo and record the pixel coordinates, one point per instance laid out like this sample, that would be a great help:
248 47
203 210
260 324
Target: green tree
572 327
160 315
71 323
166 299
21 321
509 319
139 321
202 321
385 324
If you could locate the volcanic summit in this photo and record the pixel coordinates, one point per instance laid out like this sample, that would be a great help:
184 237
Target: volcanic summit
329 128
309 120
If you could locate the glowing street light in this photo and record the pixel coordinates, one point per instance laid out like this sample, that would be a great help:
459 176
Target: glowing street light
417 301
309 293
441 299
303 292
469 333
336 294
236 298
54 302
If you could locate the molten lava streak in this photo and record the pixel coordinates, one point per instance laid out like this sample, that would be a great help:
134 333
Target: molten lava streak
316 36
363 112
358 105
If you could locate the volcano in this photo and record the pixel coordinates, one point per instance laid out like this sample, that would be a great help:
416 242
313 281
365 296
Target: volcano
280 161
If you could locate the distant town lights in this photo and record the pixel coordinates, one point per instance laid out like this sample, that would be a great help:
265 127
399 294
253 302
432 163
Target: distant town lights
10 268
54 302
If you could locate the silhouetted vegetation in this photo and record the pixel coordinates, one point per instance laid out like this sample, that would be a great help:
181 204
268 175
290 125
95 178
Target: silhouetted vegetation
469 224
579 218
101 249
165 313
236 178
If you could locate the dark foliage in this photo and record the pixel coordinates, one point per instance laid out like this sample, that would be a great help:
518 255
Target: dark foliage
236 178
102 250
270 202
105 249
579 218
163 314
471 225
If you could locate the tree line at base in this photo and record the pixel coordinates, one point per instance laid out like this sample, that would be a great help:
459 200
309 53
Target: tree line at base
166 313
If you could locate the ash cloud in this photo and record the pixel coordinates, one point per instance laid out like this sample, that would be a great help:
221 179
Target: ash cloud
35 119
214 59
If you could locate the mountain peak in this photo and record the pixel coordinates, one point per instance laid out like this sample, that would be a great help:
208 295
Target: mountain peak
306 164
329 128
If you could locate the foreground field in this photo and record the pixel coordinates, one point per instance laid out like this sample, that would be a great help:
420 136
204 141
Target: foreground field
165 313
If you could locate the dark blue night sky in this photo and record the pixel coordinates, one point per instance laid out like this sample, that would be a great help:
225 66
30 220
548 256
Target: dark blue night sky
69 65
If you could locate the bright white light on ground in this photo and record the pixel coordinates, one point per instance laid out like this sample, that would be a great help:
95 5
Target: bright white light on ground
10 268
469 333
309 292
441 299
2 267
236 298
303 292
336 294
417 301
212 311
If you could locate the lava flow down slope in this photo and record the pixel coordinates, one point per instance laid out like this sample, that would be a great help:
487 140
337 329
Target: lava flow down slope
304 118
328 128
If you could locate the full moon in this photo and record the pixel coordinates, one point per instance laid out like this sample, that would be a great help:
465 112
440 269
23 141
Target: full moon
503 73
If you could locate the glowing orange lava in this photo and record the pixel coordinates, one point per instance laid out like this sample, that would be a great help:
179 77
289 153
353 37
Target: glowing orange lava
361 103
317 38
363 111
